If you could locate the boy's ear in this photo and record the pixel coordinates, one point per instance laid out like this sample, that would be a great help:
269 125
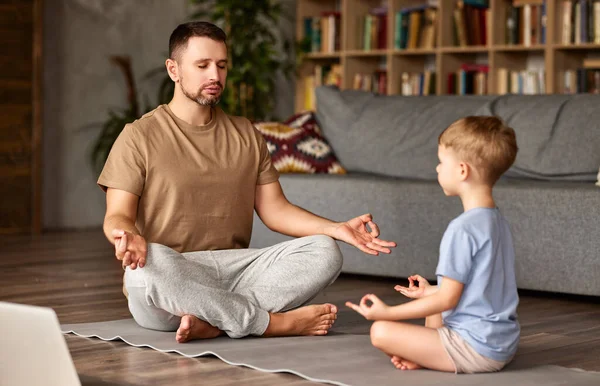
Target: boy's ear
465 171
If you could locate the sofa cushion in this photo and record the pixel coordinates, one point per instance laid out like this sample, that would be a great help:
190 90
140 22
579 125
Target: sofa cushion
558 135
297 146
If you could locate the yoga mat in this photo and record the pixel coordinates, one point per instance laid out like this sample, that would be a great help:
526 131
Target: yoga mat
337 358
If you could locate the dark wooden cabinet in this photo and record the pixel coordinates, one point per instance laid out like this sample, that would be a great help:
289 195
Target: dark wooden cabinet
20 115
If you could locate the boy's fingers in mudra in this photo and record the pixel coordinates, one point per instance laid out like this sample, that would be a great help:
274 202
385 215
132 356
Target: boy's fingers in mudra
355 307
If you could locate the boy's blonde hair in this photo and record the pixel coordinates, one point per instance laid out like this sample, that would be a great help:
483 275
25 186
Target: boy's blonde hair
483 141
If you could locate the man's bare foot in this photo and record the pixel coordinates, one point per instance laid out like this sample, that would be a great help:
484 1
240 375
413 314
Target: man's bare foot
309 320
403 364
192 328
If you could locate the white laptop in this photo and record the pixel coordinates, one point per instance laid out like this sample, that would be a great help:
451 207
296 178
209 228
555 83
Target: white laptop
33 350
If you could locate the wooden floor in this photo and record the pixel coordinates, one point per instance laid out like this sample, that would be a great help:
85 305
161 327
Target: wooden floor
77 275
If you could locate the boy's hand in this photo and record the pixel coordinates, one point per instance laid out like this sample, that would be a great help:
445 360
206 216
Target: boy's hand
376 311
414 292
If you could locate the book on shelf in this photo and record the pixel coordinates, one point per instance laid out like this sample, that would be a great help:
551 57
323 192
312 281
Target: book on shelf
527 82
375 82
417 83
323 74
323 33
579 21
471 22
582 80
526 22
416 27
371 29
469 79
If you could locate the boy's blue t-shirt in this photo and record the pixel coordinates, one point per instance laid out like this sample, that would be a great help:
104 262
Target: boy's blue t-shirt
477 250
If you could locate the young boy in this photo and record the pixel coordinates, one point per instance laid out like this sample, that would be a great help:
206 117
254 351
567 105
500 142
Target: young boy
471 320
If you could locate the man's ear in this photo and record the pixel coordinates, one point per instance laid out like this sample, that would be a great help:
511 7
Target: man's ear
172 70
465 171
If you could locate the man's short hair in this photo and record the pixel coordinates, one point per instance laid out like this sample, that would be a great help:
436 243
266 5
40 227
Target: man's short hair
485 142
183 32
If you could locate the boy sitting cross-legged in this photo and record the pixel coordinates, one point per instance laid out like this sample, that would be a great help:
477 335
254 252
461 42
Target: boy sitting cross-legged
471 320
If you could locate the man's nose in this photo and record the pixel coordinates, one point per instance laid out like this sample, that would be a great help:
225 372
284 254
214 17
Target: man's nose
214 72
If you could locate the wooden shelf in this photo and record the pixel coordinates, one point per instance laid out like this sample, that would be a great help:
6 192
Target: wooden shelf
554 57
417 51
464 49
519 48
577 46
380 52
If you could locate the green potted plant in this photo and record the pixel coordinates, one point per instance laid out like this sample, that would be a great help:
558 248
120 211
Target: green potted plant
111 128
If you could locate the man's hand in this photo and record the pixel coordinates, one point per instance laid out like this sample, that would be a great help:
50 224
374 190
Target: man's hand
378 310
131 249
414 292
354 232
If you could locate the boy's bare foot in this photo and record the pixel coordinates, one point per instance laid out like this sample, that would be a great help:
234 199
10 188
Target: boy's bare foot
403 364
192 328
309 320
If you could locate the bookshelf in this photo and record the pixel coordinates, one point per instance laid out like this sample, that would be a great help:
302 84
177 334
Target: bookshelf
502 56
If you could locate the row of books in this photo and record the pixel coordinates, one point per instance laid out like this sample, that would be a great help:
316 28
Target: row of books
418 83
473 80
471 22
585 79
322 33
528 82
580 21
416 27
470 79
526 22
582 80
372 29
373 82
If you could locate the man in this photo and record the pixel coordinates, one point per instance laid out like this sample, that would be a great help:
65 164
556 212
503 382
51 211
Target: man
181 185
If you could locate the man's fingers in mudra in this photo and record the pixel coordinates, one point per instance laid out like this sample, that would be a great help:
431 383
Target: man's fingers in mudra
384 243
365 249
119 255
127 259
123 243
374 229
376 247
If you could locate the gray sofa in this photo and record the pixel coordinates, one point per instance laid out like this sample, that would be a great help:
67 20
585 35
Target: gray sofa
388 144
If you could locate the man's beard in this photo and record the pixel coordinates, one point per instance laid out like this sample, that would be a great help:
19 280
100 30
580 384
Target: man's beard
211 100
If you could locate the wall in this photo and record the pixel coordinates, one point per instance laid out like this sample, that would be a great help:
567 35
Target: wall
81 85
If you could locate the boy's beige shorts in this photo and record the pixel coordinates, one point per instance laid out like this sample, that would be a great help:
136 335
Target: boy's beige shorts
466 360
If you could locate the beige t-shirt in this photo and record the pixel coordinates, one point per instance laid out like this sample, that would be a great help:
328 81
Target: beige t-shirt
196 183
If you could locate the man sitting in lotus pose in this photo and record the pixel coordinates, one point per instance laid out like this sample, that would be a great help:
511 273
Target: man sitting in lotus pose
181 186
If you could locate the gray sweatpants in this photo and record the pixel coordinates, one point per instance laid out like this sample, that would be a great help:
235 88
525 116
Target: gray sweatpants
233 289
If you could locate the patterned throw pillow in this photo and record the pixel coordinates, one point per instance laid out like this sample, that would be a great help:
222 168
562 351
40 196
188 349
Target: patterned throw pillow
298 146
